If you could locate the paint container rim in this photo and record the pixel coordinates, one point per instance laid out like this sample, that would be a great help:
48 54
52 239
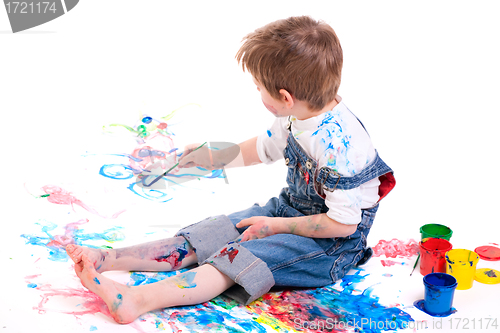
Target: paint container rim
459 262
446 236
450 279
448 247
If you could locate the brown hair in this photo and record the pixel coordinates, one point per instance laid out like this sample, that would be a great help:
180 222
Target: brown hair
298 54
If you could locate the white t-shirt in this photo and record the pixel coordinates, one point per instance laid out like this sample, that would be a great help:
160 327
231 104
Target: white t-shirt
335 139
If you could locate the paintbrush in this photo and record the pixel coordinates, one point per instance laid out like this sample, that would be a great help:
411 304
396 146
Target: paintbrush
414 266
166 172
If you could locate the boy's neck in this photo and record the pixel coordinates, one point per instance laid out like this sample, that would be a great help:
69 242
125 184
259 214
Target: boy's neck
302 112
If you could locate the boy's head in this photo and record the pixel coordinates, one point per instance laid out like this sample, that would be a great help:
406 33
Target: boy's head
298 54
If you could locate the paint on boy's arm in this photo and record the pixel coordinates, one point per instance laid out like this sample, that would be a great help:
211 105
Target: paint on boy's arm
96 280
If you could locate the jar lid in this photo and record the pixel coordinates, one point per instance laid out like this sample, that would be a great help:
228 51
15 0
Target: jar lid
488 276
488 252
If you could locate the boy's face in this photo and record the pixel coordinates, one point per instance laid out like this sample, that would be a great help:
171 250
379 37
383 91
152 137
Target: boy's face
273 105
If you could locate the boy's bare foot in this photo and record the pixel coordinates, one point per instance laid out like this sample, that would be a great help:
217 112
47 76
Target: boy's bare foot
96 256
123 303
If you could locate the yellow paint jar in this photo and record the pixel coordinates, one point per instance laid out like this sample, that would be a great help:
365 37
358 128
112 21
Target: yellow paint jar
461 264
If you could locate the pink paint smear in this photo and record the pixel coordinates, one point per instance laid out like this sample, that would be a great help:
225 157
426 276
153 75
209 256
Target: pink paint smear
396 247
60 196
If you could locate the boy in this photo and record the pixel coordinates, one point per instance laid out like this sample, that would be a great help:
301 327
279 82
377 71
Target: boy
311 235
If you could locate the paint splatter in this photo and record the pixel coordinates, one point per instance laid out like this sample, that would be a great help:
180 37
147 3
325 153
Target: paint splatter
93 328
174 258
490 273
396 247
60 196
56 244
96 280
231 253
386 263
185 280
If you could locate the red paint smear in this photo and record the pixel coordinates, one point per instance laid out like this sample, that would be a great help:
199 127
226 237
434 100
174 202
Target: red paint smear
231 254
93 304
396 247
386 263
306 176
172 259
62 197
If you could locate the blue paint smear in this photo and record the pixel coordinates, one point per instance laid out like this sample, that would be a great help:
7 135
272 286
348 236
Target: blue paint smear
96 280
32 285
117 171
56 244
150 194
93 328
269 134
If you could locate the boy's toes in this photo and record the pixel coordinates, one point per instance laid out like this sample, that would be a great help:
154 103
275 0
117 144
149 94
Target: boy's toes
74 252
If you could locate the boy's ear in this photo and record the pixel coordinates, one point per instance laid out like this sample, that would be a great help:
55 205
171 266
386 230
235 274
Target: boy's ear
286 98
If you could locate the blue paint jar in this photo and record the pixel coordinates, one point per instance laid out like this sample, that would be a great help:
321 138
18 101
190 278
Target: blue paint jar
439 292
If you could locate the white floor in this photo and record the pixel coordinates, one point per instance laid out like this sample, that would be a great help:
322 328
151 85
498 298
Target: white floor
423 79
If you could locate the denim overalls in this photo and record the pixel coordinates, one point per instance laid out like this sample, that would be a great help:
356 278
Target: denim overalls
286 259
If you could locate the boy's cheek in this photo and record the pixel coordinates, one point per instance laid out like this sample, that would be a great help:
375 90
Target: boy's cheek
271 108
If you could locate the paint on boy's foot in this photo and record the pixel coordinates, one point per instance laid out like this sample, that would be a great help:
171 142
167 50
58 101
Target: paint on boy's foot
31 13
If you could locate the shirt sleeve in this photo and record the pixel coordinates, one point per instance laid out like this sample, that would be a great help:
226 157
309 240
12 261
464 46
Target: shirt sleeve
344 206
270 145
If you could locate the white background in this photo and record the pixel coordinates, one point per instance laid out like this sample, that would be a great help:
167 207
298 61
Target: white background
422 76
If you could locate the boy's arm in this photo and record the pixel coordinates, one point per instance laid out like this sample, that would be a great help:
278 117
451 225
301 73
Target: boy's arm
313 226
234 155
248 154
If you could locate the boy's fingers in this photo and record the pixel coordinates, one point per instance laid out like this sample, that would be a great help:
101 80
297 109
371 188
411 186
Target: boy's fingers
243 223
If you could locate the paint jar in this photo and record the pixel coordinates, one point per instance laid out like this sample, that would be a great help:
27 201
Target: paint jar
435 231
439 292
433 255
461 264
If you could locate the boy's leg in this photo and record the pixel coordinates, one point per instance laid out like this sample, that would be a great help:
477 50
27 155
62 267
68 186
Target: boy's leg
126 303
162 255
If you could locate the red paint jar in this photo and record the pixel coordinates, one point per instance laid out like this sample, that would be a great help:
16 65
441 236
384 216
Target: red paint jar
433 255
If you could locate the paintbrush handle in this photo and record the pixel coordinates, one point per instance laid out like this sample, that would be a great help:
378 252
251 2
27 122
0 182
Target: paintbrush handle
414 266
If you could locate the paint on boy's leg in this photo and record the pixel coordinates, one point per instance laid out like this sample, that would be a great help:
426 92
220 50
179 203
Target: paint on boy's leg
175 257
185 280
116 303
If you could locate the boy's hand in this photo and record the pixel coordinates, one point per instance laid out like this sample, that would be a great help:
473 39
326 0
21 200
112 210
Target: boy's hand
215 155
260 227
196 156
